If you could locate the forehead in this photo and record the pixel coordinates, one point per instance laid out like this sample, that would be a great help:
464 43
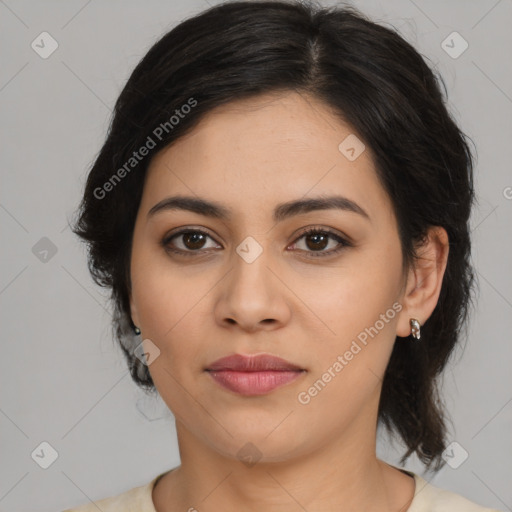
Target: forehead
255 153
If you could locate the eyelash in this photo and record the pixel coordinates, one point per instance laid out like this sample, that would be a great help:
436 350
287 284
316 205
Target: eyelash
314 254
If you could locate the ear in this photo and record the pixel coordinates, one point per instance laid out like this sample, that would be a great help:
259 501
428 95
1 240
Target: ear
424 280
133 311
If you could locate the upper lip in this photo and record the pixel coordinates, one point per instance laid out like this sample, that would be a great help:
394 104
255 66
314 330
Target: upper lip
253 363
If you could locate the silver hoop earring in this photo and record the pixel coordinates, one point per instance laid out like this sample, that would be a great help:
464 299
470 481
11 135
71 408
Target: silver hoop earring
415 328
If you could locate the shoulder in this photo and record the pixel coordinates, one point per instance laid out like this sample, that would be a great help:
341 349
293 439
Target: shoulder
429 498
138 499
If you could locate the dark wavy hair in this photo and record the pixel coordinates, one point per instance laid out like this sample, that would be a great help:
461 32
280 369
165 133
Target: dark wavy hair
370 77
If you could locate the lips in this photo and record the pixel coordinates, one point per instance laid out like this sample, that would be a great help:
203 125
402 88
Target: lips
257 363
253 375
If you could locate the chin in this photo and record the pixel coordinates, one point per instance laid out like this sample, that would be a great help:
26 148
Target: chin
260 446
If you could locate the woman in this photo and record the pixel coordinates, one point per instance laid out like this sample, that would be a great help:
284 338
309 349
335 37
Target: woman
281 211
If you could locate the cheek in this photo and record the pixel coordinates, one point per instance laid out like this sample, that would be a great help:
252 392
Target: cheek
169 302
347 371
167 315
354 298
359 306
162 292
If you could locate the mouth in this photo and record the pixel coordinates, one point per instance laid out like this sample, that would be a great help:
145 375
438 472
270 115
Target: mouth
253 375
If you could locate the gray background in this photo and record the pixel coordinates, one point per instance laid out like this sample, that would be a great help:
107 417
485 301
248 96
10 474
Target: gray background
63 380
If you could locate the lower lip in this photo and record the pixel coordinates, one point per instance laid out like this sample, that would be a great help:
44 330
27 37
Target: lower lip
253 383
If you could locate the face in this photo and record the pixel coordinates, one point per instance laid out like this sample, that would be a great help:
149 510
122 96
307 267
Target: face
251 279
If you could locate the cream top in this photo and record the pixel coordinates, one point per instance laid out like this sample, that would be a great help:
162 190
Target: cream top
427 498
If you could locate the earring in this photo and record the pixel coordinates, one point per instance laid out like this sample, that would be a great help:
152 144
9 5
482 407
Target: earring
137 330
415 328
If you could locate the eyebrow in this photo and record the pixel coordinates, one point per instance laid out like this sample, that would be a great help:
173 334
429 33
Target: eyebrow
281 212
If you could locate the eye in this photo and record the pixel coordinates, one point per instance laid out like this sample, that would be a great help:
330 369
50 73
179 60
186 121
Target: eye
192 242
189 241
317 239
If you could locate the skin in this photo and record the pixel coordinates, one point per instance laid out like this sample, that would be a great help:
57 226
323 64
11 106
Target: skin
251 156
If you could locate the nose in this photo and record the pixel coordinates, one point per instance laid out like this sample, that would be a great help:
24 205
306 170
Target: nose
252 296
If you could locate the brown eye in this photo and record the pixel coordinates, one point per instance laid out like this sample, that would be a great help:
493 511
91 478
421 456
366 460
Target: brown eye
317 240
193 240
187 242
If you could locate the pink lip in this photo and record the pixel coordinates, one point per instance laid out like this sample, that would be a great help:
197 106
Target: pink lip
253 375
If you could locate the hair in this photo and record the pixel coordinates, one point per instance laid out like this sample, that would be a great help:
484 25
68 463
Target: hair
372 79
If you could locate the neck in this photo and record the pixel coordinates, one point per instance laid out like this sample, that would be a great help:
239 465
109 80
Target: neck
345 475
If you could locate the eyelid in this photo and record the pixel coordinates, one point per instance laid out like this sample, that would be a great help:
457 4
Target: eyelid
181 231
343 240
335 233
